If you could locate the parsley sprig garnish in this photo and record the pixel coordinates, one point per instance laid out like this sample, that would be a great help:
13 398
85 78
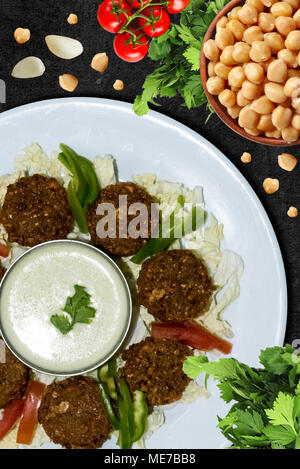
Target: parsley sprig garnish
178 51
78 308
266 409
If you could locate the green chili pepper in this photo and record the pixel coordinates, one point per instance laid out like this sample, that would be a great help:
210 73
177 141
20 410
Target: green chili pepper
110 411
91 178
79 180
124 440
194 219
140 413
127 403
105 377
77 210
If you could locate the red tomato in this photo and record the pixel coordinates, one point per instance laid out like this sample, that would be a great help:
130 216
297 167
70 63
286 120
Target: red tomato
109 20
176 6
29 417
128 52
138 3
4 250
10 415
190 333
160 26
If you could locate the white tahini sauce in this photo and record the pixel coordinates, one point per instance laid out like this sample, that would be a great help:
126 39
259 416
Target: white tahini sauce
38 286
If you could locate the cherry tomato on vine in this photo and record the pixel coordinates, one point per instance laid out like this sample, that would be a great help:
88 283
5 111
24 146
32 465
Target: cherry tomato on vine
139 3
160 26
109 20
176 6
129 52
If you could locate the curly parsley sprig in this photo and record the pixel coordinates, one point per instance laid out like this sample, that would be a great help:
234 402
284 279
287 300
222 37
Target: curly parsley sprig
178 52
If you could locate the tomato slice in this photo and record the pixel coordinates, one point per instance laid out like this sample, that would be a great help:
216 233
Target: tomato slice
10 415
4 250
190 333
29 417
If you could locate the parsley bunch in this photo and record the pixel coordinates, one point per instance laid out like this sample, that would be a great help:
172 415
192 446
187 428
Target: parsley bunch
178 51
266 409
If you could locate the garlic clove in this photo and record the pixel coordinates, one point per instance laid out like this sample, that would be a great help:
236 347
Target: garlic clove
30 67
64 47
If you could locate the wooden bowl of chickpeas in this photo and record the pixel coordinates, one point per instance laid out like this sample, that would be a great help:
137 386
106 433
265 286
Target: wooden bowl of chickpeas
250 72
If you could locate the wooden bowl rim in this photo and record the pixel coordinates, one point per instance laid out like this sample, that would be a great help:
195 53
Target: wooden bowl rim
220 110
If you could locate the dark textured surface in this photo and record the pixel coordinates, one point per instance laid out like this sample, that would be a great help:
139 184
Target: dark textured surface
50 17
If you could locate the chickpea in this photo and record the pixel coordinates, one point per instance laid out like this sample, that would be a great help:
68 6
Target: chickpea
257 4
224 38
275 42
296 121
254 73
248 14
287 103
263 105
292 87
211 50
281 9
293 73
266 21
248 118
296 18
234 111
237 28
273 134
260 51
292 41
265 123
275 93
289 57
227 98
222 23
226 57
295 103
268 3
281 117
236 77
277 71
241 100
254 33
250 90
265 65
211 69
233 14
290 134
241 52
285 25
215 85
294 3
254 132
222 70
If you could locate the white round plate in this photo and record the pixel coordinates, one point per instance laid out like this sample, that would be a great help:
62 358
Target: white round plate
158 144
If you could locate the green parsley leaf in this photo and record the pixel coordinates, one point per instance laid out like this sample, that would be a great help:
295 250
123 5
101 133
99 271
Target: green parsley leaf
79 309
283 411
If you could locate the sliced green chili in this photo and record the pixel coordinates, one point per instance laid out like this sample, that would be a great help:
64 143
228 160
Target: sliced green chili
105 377
110 411
77 210
140 414
124 440
128 404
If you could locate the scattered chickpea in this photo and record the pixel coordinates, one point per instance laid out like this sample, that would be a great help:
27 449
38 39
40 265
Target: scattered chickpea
227 98
72 18
118 85
271 185
222 22
246 157
100 62
287 161
255 132
22 35
241 100
68 82
296 18
292 212
273 134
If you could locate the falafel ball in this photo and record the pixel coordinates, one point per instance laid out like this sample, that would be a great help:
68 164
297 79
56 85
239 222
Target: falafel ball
154 366
14 377
115 245
73 414
36 210
174 286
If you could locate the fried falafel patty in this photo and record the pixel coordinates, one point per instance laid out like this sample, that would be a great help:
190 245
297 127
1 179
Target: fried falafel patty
115 245
14 377
36 210
154 366
73 414
174 286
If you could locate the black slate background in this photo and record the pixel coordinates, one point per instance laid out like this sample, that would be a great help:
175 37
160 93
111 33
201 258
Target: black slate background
50 17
